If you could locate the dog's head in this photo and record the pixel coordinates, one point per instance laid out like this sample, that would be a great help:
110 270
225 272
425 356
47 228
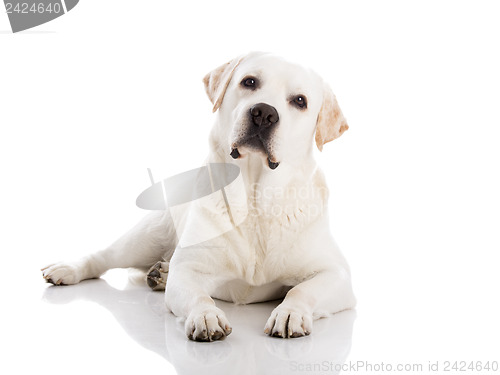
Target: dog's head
272 108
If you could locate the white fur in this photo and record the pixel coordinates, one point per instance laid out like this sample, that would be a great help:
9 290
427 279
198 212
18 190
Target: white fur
284 247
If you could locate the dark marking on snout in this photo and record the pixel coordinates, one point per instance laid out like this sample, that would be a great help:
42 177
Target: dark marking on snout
235 154
272 165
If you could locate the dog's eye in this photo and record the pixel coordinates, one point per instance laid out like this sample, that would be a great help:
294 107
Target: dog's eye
300 101
249 82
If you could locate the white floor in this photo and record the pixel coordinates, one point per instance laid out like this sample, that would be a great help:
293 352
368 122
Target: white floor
116 325
87 317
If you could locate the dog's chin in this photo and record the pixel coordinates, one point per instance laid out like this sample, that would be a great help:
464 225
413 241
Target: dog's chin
254 146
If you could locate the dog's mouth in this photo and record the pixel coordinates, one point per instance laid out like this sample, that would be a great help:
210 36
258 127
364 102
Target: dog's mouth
235 154
255 143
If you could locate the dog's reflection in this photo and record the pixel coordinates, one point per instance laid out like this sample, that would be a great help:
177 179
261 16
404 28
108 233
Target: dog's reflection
142 314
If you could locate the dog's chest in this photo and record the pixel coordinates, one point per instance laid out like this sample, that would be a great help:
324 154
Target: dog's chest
266 245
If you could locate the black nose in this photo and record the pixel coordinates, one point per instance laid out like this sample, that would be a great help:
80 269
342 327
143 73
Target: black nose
264 115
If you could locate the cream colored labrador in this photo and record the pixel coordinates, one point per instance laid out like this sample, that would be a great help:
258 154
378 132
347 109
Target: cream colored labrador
269 112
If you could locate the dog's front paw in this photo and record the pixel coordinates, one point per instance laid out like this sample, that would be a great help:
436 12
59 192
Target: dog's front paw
288 322
207 325
62 274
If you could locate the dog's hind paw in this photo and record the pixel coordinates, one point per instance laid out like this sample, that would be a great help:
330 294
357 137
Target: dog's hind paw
157 276
62 274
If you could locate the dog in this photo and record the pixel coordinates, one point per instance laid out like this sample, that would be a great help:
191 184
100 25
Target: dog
269 114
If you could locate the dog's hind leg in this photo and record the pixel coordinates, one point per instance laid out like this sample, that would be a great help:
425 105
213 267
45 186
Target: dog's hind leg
151 240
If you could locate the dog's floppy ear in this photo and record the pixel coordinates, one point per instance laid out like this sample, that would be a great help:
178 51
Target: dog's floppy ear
217 80
331 122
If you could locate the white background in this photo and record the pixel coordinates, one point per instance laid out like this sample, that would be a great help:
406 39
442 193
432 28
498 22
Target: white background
90 100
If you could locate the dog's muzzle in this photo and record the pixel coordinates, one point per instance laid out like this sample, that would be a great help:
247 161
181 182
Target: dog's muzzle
263 117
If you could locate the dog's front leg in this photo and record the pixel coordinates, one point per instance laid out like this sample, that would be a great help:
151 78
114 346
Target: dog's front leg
187 295
325 293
